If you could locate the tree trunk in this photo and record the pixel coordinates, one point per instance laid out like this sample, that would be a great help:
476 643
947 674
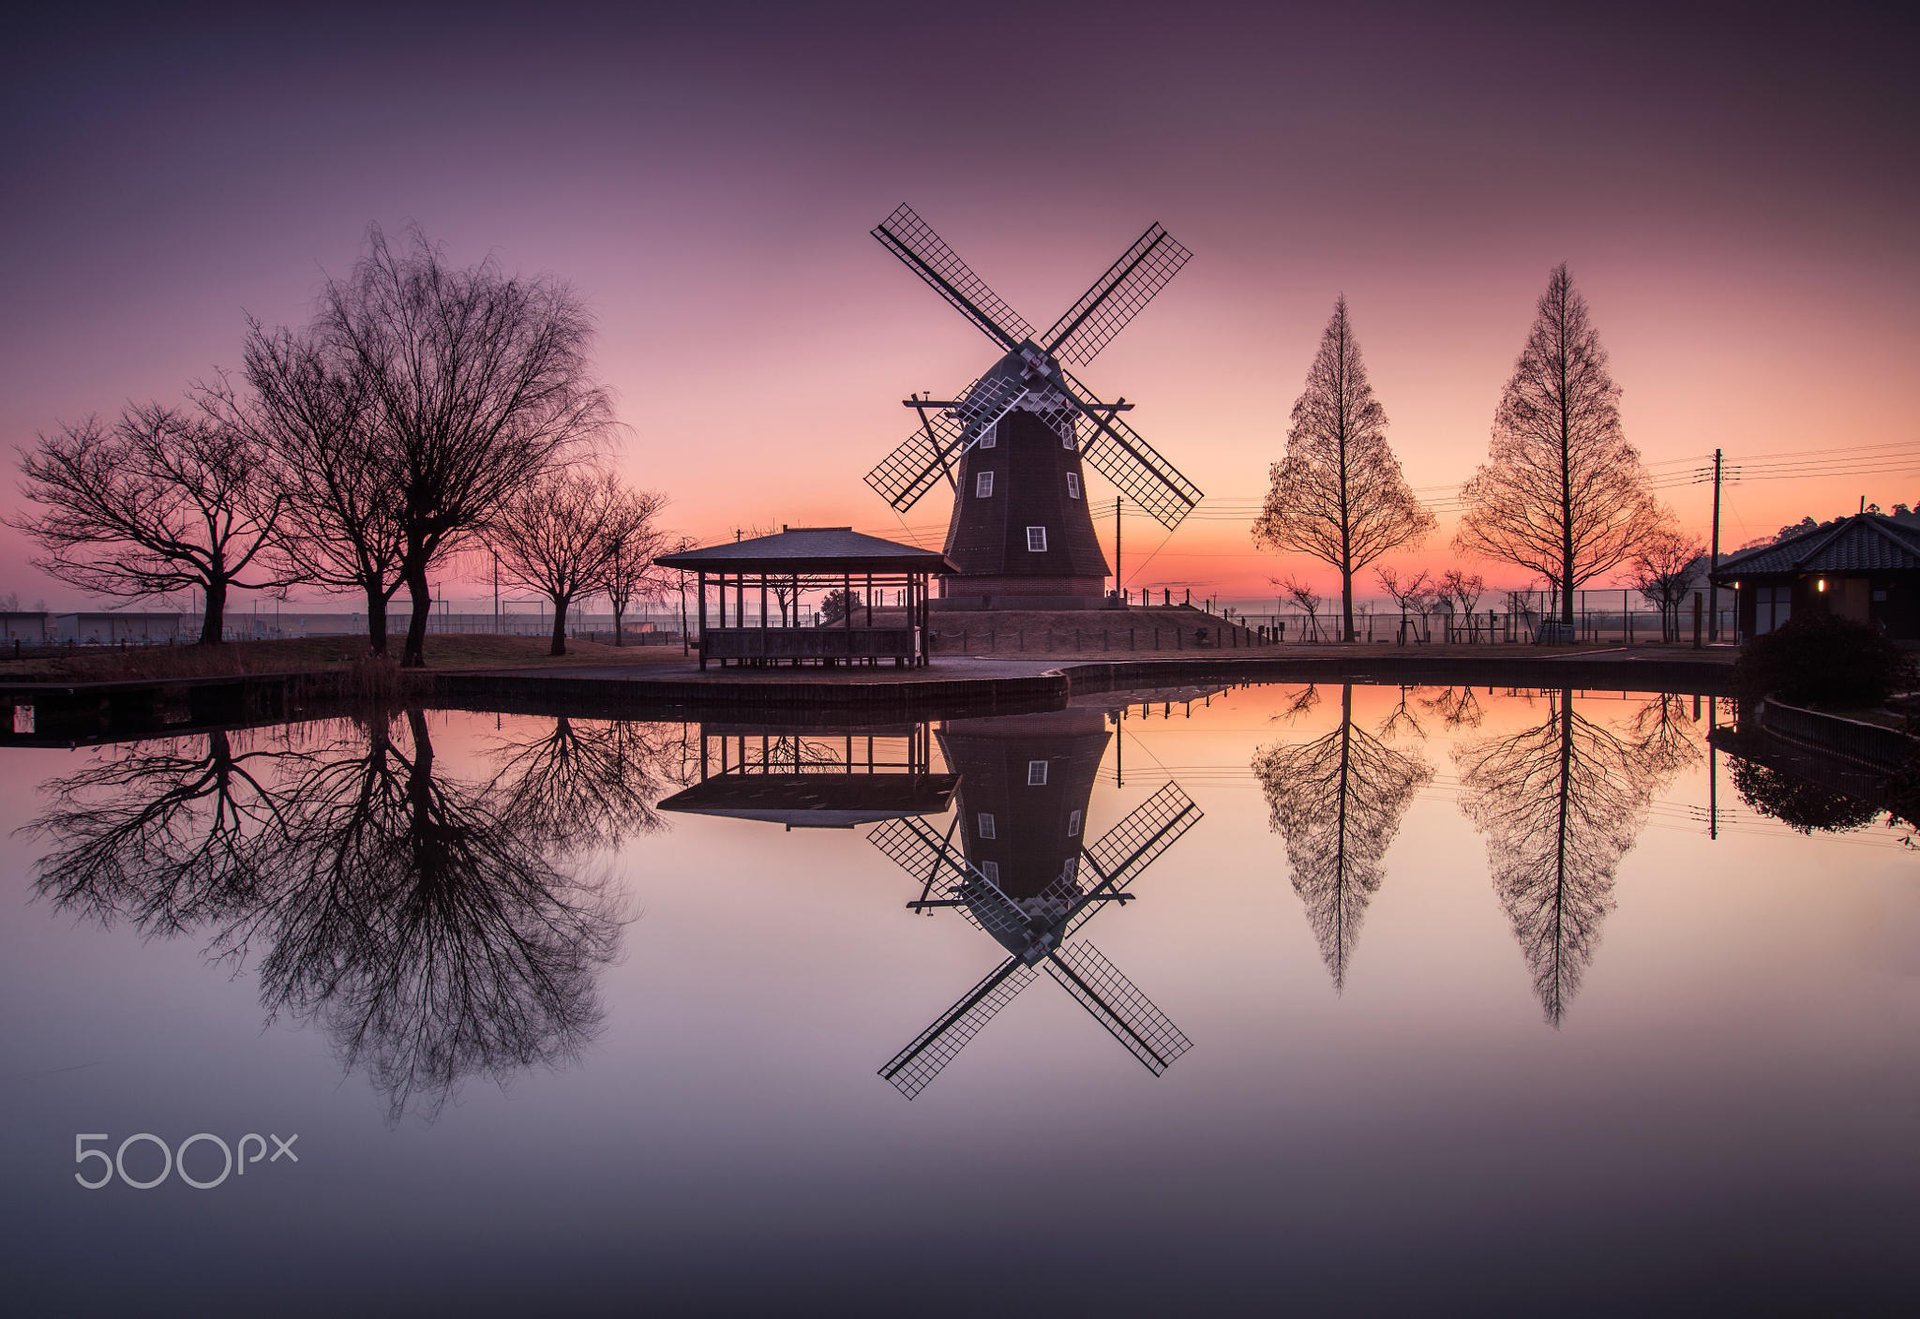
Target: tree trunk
376 620
420 591
1346 604
618 640
213 619
559 626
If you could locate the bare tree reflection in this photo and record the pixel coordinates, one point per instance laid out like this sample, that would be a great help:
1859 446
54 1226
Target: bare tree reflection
434 926
1338 802
1560 804
586 782
164 833
1457 707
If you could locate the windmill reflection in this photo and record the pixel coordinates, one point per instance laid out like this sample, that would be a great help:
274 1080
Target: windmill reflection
1560 804
1023 873
1338 801
432 924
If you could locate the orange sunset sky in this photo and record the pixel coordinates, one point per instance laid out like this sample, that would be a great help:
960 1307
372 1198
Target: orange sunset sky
1733 189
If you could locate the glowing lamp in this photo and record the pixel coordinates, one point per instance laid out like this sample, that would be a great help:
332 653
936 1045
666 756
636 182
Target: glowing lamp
1821 585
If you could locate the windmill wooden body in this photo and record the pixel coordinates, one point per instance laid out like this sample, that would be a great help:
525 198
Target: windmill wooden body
1015 443
1023 872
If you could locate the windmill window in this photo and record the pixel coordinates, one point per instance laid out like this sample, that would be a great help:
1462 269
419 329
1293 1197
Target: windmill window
982 484
1066 436
1037 539
1073 825
1036 773
1073 485
991 869
985 825
990 437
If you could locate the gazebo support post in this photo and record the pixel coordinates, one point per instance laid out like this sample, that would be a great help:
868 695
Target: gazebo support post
702 595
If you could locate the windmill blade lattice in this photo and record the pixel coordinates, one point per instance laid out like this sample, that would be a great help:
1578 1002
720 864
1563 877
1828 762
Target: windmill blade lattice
1117 297
925 253
1136 469
904 476
1118 1004
914 1067
1124 851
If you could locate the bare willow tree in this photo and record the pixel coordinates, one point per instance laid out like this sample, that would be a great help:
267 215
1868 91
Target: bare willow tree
480 385
1413 595
561 534
1338 802
1339 494
1665 569
344 529
162 501
1562 493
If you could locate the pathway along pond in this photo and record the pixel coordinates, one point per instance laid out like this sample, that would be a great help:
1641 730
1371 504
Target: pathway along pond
1330 997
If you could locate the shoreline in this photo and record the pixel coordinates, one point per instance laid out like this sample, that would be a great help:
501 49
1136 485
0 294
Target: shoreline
63 713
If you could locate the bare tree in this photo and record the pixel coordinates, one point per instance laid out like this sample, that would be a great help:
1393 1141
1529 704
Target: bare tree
1562 493
164 500
1339 494
1338 802
1664 570
1308 600
1461 593
344 527
559 536
1414 595
480 384
630 572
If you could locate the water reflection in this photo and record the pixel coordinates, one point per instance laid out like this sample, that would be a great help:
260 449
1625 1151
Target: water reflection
1023 874
438 928
1338 801
1560 803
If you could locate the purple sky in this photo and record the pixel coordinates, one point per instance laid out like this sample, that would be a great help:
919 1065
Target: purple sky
1735 191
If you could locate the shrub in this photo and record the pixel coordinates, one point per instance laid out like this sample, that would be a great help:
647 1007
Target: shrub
1820 659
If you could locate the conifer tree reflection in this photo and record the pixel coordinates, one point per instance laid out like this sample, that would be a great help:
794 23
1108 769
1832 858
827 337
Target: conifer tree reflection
1560 804
162 833
1338 802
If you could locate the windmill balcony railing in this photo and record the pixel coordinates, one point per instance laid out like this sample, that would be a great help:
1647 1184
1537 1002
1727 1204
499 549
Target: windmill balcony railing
828 644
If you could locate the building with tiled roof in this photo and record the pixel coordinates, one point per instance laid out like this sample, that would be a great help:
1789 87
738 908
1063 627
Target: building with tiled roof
1865 567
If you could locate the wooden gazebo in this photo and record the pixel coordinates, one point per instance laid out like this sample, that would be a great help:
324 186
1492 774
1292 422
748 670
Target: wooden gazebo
800 559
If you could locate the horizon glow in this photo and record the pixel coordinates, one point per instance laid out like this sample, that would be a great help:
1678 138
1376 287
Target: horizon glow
1736 206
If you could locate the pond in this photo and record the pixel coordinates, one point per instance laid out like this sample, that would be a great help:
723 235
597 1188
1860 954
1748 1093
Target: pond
1341 997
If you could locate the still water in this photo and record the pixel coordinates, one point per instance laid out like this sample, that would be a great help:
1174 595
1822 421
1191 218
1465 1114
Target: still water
1359 999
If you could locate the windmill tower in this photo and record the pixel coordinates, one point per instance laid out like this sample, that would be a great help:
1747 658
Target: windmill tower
1024 874
1014 444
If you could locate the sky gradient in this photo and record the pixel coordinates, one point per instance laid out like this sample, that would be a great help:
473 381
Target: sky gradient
1733 189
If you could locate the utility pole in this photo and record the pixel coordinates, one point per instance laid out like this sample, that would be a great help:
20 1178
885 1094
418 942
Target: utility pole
1713 561
1117 588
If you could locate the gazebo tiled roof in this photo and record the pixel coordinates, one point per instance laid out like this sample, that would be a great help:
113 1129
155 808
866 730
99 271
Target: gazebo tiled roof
810 550
1865 542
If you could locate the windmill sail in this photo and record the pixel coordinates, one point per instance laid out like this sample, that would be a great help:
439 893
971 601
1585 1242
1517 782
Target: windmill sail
927 255
1119 453
915 467
1116 297
915 1066
913 845
1117 1003
1135 843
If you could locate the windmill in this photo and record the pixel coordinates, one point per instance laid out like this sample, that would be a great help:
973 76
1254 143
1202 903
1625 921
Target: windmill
1012 445
1023 874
